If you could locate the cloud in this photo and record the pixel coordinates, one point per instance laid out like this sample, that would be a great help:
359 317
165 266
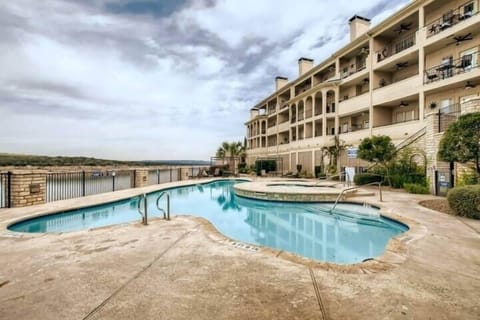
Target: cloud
152 79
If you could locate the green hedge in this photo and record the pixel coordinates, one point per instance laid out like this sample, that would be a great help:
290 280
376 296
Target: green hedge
365 178
416 188
465 201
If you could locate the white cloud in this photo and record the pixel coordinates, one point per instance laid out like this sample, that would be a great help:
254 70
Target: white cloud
78 79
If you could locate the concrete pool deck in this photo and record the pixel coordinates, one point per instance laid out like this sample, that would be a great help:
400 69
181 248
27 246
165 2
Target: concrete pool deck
184 269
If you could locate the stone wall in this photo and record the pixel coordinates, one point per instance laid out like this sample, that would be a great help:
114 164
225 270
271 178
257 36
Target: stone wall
28 188
141 178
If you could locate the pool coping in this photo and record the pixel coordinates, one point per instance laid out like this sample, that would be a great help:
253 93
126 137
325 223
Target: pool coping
395 253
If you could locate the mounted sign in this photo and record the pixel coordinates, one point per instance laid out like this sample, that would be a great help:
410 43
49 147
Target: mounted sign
352 153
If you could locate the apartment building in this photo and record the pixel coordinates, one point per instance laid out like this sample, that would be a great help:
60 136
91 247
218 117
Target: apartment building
405 78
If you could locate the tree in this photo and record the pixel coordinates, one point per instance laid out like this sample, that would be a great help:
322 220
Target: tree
231 150
334 151
379 150
461 141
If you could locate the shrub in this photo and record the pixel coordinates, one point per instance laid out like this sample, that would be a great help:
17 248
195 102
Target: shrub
416 188
465 201
468 178
365 178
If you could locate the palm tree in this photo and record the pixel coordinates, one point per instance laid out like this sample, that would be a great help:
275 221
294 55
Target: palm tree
231 150
334 151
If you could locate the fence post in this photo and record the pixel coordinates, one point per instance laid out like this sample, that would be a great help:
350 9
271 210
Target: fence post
9 190
158 176
27 188
113 181
170 174
134 178
141 177
83 184
439 121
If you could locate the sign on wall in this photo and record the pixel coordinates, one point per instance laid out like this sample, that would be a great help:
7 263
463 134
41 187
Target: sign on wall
352 153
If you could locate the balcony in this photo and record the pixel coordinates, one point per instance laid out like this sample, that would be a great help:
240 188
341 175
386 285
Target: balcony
451 17
284 126
396 90
398 46
452 67
353 137
398 131
354 104
349 73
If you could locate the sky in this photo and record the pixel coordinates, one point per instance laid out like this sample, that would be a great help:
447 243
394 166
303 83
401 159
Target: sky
154 79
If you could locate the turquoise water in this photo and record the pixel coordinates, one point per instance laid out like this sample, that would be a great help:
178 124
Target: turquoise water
305 229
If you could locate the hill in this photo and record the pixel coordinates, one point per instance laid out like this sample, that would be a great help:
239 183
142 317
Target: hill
21 160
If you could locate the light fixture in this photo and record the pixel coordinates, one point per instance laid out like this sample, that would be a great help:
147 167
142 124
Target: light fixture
403 104
469 85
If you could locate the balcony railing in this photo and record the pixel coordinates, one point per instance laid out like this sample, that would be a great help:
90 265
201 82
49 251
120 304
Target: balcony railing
361 67
353 128
397 47
406 118
450 68
452 17
271 111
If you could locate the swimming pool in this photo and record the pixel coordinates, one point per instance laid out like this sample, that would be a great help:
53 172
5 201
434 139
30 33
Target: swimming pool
352 234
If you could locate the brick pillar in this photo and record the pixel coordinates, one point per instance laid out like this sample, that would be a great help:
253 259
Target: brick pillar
184 173
471 106
141 178
28 188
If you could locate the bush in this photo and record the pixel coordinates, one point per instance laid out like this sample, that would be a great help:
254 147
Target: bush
365 178
468 178
465 201
416 188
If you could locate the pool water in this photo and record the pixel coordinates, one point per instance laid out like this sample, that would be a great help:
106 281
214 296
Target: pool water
353 233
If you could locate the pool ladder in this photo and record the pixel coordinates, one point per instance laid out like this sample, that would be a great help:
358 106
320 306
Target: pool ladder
340 196
144 213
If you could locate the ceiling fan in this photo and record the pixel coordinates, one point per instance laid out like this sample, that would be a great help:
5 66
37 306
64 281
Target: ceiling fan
401 65
403 27
459 39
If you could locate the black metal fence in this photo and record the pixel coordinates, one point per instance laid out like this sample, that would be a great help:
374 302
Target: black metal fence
451 67
451 17
448 115
68 185
5 187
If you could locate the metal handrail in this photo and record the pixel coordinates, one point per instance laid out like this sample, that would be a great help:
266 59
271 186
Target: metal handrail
145 205
340 175
166 215
339 196
379 188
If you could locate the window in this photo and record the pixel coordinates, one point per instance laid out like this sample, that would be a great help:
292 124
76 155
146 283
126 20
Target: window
469 59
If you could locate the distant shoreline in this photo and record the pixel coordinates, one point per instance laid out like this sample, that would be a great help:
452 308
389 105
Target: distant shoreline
48 162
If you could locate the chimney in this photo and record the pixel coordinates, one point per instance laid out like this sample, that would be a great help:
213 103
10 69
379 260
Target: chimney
304 64
253 113
280 82
358 26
